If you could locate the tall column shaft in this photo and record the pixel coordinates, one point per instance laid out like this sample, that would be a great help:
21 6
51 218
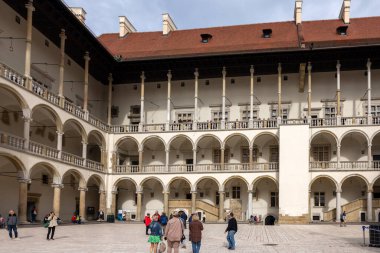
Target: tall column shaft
369 156
26 132
167 152
194 159
369 206
250 158
193 199
166 202
110 79
23 200
85 92
113 203
82 202
63 37
138 206
221 206
84 150
102 201
195 120
338 206
252 71
309 90
222 159
250 204
141 160
168 110
369 102
279 111
223 122
338 155
338 113
142 102
57 198
29 28
59 143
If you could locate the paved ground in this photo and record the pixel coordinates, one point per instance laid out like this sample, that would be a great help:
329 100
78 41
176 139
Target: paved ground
131 238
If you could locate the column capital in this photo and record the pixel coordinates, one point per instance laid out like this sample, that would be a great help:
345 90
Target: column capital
60 186
59 133
24 181
139 192
338 146
250 191
142 77
338 65
29 5
196 73
114 192
102 192
62 34
221 192
369 63
169 75
166 192
370 191
27 119
193 192
82 189
86 56
338 191
309 67
252 70
84 142
224 72
110 78
279 68
369 145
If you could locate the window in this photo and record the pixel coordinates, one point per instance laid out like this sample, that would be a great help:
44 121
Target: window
330 112
321 153
236 192
184 117
375 110
273 199
285 113
273 154
245 113
245 155
45 179
216 116
216 155
267 33
319 199
342 30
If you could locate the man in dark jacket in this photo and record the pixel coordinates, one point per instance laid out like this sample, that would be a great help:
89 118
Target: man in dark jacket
231 230
12 224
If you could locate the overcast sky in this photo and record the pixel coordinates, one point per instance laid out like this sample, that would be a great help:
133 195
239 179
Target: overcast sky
145 15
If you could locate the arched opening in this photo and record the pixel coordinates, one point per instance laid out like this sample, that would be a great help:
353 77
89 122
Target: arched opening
265 198
44 126
238 153
73 138
236 196
265 152
11 114
72 180
323 151
127 155
152 197
209 154
207 199
181 155
94 186
354 192
179 196
375 150
126 200
94 146
323 200
354 151
154 155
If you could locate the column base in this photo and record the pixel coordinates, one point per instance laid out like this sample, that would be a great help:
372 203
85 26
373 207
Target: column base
286 219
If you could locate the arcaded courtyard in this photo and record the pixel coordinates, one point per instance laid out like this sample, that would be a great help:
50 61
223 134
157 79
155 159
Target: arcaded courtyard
131 238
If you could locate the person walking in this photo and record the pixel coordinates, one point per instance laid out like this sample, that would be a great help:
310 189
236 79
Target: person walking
343 217
231 231
174 232
155 234
12 224
52 224
195 233
184 218
147 222
163 220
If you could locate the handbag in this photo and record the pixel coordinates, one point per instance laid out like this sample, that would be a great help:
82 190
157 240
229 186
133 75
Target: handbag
46 224
162 247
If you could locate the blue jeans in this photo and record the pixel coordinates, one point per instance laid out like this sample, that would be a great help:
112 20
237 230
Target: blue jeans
196 246
231 239
14 228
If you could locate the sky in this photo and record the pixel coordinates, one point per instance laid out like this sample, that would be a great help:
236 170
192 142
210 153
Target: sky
146 15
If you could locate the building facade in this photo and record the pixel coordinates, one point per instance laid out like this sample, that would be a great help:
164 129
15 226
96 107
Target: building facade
275 120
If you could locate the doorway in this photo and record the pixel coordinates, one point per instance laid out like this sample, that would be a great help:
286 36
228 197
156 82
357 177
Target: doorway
189 164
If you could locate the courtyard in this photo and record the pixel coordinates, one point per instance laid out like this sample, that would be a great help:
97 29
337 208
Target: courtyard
131 238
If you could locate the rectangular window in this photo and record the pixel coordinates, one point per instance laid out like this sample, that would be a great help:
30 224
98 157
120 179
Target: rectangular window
216 116
245 155
321 153
330 112
375 110
273 199
273 154
217 153
285 113
245 113
236 192
185 117
319 199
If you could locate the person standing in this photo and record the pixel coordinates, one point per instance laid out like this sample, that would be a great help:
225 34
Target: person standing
195 234
12 224
52 224
231 231
34 214
147 222
173 233
204 217
163 220
184 218
343 219
155 234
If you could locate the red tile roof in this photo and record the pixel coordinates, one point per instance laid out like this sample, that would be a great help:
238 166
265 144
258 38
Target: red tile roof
241 39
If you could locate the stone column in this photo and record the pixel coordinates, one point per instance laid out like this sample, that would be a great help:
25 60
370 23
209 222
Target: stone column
113 204
27 121
250 123
84 152
193 199
222 159
57 198
195 120
250 204
194 159
369 206
167 152
338 112
166 202
23 199
168 110
251 158
338 206
28 52
141 160
82 202
102 201
59 143
223 122
138 205
338 156
110 79
85 92
221 206
309 92
142 103
63 37
279 109
369 102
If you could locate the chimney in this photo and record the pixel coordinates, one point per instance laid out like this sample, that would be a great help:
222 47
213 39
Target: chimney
167 24
125 26
298 12
79 12
345 11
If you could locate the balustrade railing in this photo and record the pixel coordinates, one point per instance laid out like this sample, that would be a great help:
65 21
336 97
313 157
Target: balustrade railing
181 168
12 75
12 140
127 169
353 165
154 127
41 91
153 168
208 125
353 121
266 166
181 126
124 129
73 109
94 165
265 123
236 125
98 123
73 159
345 165
43 150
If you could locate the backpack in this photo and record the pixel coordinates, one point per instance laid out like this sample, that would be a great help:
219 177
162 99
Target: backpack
161 247
164 220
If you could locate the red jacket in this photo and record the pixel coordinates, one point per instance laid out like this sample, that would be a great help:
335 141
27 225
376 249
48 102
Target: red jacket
147 221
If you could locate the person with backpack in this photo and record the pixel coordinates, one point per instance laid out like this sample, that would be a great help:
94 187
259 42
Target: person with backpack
163 220
174 233
12 224
155 234
147 222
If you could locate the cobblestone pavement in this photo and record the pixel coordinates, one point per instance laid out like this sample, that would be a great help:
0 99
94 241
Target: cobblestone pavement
131 238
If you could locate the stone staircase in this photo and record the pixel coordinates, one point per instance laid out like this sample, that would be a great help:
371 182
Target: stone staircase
211 211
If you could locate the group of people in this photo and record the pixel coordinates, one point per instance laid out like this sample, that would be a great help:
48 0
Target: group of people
76 219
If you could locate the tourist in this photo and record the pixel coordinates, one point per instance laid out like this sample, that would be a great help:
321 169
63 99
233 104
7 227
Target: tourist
157 214
195 233
147 222
231 230
2 221
74 218
155 234
204 217
52 224
12 224
163 220
33 214
343 219
184 218
174 232
100 215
